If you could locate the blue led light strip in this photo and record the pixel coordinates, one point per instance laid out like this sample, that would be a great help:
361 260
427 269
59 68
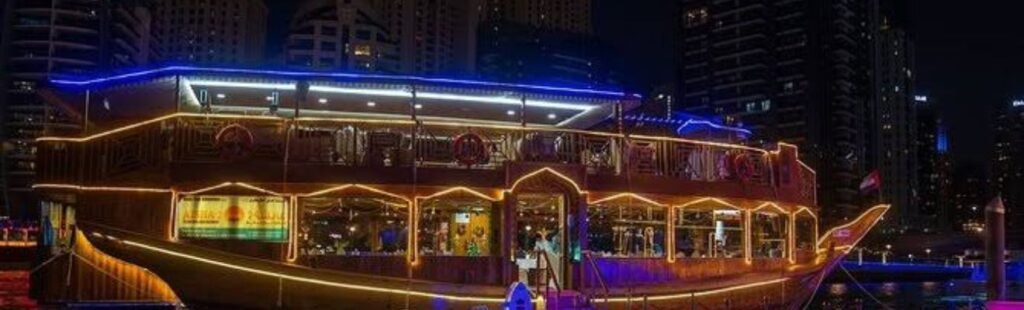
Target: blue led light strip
193 69
713 125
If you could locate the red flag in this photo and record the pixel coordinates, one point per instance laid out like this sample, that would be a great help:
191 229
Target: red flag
872 182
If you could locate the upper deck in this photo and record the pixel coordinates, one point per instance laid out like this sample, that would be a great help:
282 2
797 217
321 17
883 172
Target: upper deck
181 125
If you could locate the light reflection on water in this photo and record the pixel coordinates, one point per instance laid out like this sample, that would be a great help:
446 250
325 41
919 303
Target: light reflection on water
900 295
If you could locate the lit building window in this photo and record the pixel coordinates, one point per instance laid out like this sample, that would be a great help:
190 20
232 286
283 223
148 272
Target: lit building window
361 50
696 17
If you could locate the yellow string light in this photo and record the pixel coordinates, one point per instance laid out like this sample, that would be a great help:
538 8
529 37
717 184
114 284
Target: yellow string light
100 188
309 280
694 294
549 171
387 121
627 195
883 207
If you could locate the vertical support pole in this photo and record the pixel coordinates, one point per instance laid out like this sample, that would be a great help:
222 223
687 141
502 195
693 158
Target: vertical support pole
292 253
995 249
413 216
747 240
85 117
522 111
172 222
791 239
280 292
670 234
177 93
509 272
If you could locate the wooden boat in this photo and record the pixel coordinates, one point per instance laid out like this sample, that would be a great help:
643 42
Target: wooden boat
237 188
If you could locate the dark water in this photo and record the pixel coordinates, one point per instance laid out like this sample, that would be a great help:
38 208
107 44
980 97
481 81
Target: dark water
906 295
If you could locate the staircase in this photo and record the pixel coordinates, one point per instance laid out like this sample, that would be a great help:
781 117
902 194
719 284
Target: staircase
14 286
567 300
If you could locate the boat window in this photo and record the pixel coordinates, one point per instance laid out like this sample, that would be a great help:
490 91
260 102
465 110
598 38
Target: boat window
805 233
769 234
353 226
703 232
627 229
457 226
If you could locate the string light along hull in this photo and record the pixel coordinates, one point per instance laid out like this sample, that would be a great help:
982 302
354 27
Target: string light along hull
295 190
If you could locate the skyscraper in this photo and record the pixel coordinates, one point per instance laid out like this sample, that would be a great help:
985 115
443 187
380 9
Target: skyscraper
211 32
348 35
572 16
892 123
433 37
934 173
43 39
792 71
548 42
1008 168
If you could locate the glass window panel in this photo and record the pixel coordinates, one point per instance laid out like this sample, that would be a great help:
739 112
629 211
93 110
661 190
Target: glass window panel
627 230
353 226
458 227
703 232
769 233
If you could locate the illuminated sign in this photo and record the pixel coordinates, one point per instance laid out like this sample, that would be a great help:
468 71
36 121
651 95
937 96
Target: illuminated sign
920 98
261 218
1018 103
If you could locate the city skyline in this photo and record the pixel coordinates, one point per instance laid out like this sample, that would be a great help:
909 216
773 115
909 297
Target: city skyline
568 41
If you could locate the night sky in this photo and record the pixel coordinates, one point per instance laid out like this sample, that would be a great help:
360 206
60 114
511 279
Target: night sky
968 55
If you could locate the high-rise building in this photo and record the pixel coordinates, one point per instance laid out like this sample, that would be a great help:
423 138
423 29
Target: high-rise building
1008 168
892 123
348 35
211 31
934 173
791 71
547 42
44 39
970 194
433 37
573 16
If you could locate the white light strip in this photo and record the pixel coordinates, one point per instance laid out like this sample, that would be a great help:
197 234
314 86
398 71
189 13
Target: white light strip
384 92
504 100
362 91
275 86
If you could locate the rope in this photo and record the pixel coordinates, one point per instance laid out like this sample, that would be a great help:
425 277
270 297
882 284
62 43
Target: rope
884 306
47 262
814 293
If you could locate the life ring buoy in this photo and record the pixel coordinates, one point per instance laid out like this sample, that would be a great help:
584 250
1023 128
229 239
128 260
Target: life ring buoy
743 167
234 142
470 149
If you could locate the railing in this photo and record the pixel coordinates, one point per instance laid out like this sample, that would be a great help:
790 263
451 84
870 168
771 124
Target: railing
597 275
549 276
218 138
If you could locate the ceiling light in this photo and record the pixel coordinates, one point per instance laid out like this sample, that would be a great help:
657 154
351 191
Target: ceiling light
418 106
322 100
510 112
552 116
371 104
220 96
